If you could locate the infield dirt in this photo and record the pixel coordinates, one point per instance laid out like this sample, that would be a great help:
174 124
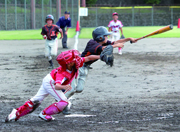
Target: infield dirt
141 92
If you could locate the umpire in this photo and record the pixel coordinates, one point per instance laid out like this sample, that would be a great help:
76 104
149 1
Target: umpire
62 23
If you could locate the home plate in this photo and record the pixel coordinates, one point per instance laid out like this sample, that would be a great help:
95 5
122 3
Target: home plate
78 115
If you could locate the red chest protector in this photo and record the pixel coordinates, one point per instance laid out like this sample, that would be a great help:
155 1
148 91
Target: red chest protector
62 72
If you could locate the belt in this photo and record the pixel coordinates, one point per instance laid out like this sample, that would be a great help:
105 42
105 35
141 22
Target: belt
115 31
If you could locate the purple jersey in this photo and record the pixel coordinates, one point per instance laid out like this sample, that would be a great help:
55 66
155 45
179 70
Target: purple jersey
93 48
51 32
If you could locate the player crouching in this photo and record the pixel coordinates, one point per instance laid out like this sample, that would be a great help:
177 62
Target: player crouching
53 83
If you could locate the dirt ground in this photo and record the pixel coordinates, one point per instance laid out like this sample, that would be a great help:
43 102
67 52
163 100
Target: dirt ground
140 92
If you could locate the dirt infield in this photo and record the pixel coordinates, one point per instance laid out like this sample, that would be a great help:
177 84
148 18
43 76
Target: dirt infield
140 92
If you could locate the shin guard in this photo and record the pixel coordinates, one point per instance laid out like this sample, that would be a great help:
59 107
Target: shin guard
55 108
27 108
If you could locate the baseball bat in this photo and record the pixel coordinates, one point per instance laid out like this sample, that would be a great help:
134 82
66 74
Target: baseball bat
161 30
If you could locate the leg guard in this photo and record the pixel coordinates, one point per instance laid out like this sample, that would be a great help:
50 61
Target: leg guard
55 108
27 108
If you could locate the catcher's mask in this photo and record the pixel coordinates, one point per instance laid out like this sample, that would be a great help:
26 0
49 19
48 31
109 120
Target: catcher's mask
49 17
99 33
69 56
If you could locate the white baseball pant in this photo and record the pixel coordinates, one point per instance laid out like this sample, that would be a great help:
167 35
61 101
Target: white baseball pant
51 47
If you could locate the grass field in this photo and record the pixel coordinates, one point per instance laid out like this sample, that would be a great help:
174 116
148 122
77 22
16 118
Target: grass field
134 32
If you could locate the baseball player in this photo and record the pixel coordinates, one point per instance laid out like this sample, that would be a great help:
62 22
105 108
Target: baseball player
62 23
94 47
53 83
115 25
50 32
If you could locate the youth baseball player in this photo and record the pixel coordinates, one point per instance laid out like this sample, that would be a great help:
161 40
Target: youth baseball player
115 25
53 84
64 22
50 32
94 47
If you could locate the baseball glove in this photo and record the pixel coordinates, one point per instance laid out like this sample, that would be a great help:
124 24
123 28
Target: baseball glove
122 37
107 55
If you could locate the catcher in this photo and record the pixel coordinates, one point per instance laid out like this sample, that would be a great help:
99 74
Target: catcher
98 46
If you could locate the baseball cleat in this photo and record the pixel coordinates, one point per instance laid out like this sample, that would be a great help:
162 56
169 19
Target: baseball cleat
51 67
11 116
120 52
46 117
66 111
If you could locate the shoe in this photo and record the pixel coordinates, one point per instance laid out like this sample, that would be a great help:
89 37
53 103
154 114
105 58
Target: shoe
65 47
120 52
51 66
46 117
11 116
66 111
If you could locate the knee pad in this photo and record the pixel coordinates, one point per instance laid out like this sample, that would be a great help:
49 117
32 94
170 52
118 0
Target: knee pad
27 108
55 108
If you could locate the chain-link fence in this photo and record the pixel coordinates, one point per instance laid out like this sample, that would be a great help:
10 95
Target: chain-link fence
17 14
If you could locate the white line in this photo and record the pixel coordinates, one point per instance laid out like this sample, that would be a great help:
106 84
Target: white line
78 115
76 41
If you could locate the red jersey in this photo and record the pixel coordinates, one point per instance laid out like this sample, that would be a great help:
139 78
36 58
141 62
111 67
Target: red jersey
65 77
51 32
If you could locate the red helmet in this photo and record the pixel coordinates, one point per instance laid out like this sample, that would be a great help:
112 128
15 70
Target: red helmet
115 13
69 56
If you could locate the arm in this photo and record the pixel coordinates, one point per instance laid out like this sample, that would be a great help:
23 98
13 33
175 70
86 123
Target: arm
109 29
58 86
66 30
61 32
125 40
91 58
121 31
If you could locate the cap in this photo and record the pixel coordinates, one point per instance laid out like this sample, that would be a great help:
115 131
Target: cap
115 13
67 12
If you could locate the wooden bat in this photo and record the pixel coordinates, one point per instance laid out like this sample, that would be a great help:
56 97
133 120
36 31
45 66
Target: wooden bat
161 30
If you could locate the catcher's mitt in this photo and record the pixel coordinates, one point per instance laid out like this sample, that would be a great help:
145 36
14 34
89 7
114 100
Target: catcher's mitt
122 37
107 55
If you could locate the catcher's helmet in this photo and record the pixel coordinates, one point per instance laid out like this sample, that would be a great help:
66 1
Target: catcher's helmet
49 17
99 33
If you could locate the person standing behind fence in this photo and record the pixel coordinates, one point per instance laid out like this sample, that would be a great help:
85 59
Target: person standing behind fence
62 23
115 25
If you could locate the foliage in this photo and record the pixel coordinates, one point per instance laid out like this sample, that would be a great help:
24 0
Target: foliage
152 1
91 2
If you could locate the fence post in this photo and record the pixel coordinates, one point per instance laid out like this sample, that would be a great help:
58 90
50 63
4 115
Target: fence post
133 16
66 5
72 3
42 12
58 9
33 14
50 6
172 16
15 14
96 16
25 14
152 16
6 14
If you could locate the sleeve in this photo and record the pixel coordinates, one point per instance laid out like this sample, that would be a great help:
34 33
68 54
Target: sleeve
57 29
120 24
60 78
43 32
58 23
69 23
109 25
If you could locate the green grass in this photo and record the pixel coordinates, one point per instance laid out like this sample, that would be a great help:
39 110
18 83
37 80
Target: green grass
137 32
28 34
86 33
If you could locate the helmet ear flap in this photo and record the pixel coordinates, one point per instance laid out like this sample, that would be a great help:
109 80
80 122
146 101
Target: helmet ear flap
100 38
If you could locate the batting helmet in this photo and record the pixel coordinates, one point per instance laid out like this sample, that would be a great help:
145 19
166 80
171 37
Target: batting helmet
99 33
49 17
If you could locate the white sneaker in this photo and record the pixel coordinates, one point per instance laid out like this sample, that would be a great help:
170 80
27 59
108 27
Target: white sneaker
45 117
11 116
120 52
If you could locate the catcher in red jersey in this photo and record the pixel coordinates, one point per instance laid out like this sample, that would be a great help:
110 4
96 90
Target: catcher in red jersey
54 83
50 32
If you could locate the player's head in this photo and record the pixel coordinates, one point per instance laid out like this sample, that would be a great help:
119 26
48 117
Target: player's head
67 14
100 34
115 15
69 58
49 19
